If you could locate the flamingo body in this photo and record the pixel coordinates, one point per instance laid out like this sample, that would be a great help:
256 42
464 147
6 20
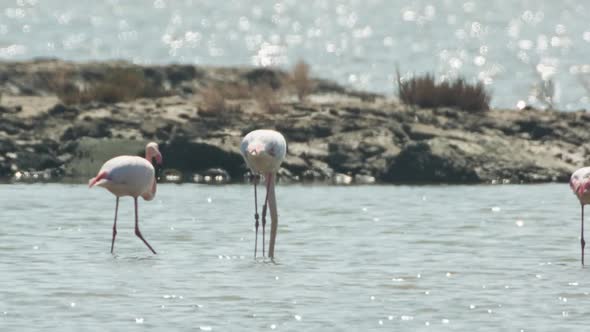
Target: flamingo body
580 184
263 151
127 176
130 176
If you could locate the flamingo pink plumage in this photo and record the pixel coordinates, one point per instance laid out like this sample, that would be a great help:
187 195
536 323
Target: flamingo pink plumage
264 151
130 176
580 184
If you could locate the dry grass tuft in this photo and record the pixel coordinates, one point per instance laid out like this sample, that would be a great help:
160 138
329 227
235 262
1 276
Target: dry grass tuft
301 80
61 83
117 85
212 101
122 85
235 91
267 99
423 91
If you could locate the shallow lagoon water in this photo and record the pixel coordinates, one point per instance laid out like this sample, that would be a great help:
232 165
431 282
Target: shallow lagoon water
366 258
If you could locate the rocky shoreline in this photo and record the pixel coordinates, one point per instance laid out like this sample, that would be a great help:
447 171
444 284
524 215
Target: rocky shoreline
334 135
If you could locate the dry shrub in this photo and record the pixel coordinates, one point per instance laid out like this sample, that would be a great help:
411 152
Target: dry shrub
122 85
267 98
61 83
212 101
117 85
423 91
301 80
233 91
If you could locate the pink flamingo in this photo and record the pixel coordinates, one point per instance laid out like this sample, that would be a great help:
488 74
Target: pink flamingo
580 184
264 151
130 176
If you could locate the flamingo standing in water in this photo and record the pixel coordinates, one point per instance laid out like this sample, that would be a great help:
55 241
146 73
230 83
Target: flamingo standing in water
130 176
580 184
264 151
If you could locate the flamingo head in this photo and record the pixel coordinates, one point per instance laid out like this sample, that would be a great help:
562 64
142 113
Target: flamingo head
152 152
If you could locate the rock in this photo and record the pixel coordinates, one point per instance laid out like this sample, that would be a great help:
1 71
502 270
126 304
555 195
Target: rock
9 110
419 131
295 164
335 135
96 128
197 156
361 151
26 160
6 145
64 111
328 86
419 162
179 73
9 128
88 154
5 170
345 156
264 76
535 129
153 129
364 179
318 171
171 175
284 175
213 176
313 150
302 130
342 179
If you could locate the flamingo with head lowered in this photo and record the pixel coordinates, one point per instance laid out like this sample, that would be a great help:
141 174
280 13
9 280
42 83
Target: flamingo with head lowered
130 176
580 184
264 151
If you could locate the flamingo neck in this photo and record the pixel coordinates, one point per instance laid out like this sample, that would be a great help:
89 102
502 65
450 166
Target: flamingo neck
100 176
149 155
149 195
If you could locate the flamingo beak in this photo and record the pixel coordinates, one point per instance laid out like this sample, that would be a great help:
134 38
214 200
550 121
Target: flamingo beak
583 189
255 149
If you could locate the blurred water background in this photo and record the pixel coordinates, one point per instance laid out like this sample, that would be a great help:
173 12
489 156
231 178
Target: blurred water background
515 47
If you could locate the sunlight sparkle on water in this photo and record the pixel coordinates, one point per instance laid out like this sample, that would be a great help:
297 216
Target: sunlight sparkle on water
212 262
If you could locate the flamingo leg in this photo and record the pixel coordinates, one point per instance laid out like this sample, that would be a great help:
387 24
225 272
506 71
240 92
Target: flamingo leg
137 232
256 216
582 242
274 217
264 208
115 225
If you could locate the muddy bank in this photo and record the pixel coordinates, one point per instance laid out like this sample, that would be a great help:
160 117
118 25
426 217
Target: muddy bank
335 134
